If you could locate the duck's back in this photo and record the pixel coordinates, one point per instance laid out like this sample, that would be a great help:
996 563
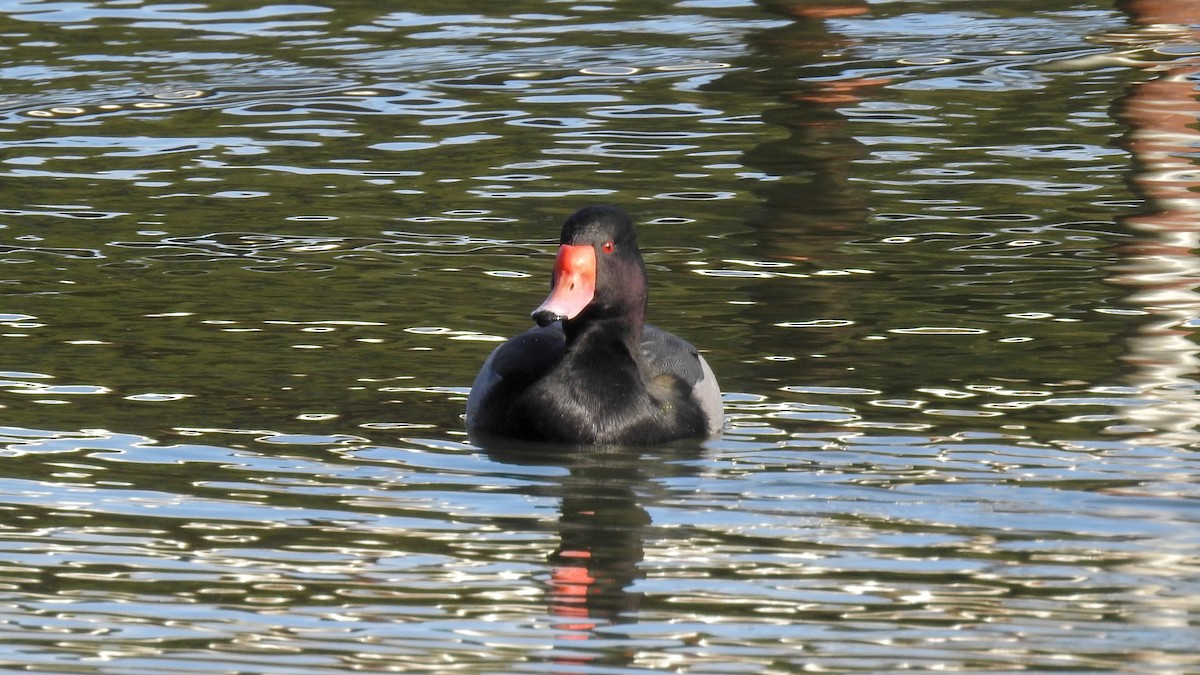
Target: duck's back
667 354
530 387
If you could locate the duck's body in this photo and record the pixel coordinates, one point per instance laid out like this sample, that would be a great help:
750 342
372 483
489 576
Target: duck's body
592 372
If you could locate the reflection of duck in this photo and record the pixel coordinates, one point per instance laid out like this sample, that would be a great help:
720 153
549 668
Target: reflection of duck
591 372
605 497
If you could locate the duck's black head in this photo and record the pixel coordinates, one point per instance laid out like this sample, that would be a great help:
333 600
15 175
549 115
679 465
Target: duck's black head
599 273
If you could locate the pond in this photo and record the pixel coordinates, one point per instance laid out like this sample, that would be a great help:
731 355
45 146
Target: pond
939 254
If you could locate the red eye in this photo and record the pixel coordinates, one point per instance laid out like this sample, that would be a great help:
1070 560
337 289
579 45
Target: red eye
607 247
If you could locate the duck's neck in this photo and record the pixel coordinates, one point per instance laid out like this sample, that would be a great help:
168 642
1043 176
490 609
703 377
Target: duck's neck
607 333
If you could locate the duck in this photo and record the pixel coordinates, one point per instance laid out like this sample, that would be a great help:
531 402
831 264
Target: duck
591 371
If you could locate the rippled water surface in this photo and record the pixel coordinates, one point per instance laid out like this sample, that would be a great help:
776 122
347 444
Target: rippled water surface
939 253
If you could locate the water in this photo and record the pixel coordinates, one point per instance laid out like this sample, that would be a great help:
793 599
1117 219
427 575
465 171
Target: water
939 254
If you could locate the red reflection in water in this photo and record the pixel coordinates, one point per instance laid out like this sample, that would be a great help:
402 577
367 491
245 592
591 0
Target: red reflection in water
1158 264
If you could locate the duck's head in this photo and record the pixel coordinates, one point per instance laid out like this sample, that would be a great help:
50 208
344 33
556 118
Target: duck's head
598 273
